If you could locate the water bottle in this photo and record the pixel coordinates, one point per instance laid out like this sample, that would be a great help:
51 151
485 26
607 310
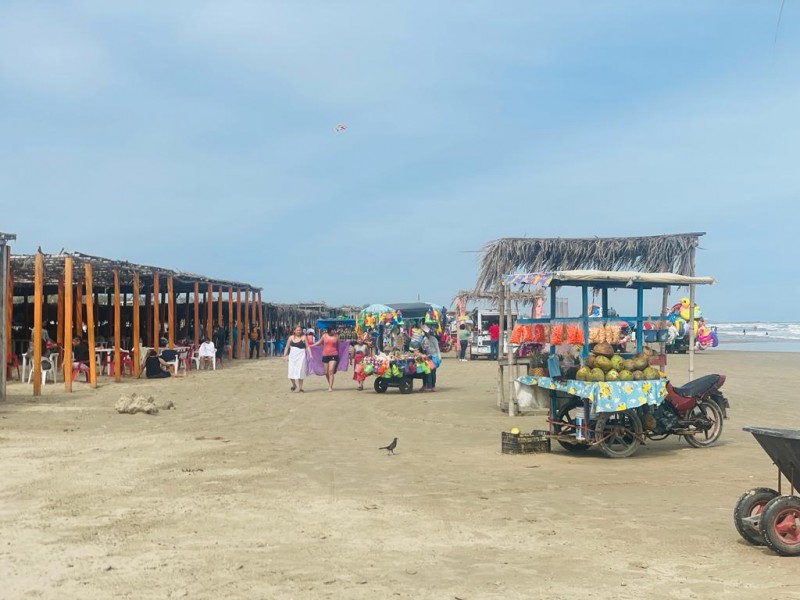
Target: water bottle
579 432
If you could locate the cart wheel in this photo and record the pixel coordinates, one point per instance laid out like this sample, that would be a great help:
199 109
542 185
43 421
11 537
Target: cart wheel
381 385
406 385
747 514
566 414
710 412
780 525
619 433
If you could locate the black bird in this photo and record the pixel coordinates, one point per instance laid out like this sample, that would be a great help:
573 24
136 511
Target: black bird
390 447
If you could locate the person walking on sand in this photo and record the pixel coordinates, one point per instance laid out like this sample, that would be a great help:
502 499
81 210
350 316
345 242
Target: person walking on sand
297 353
330 354
463 341
360 350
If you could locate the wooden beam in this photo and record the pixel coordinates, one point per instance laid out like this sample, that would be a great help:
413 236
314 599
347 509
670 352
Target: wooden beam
196 327
90 324
219 307
156 323
148 319
79 308
117 328
230 323
209 310
238 341
170 313
135 333
5 303
59 314
38 277
186 315
246 327
67 324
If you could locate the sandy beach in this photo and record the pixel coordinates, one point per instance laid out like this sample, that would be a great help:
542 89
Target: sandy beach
248 491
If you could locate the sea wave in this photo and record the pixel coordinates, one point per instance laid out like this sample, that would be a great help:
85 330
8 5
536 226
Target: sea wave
741 331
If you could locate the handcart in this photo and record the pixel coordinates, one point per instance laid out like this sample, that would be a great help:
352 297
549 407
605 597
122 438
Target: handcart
405 384
767 517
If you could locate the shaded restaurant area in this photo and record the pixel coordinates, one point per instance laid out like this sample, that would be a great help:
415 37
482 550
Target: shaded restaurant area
121 311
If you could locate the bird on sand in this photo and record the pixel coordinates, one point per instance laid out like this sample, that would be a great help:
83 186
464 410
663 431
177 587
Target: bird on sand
390 448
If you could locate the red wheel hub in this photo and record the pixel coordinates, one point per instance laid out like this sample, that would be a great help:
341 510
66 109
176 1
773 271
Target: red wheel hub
786 525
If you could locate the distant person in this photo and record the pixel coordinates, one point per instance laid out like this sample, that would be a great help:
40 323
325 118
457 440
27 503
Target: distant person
80 357
430 346
361 350
255 341
744 331
155 367
330 354
220 339
206 353
297 354
311 336
494 340
463 341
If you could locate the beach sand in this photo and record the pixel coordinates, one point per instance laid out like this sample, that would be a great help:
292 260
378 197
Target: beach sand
248 491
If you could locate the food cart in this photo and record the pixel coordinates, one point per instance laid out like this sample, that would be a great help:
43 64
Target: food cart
588 413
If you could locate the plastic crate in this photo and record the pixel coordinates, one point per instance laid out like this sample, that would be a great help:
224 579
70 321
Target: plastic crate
525 443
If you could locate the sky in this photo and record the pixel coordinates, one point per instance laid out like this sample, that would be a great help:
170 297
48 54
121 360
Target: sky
201 136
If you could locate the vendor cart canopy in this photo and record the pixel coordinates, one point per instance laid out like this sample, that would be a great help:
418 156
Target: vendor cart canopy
414 310
624 278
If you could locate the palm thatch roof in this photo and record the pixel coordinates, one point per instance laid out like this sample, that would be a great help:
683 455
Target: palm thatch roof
673 253
523 297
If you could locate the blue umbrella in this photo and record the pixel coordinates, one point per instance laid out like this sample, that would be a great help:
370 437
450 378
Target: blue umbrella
376 309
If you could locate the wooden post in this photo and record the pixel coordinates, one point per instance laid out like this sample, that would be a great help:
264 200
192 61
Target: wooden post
501 389
137 359
238 341
186 315
117 332
5 303
156 321
60 314
196 327
219 307
38 278
246 325
170 314
67 324
79 308
148 319
209 310
90 324
230 323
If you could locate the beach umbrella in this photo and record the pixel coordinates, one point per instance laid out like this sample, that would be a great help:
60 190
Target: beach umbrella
376 309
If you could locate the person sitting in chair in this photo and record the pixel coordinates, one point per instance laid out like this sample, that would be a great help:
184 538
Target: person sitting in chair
80 358
206 352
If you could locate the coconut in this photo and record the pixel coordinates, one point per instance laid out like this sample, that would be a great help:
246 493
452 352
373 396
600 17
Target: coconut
650 373
589 362
612 375
601 362
617 363
625 375
603 349
583 374
640 362
638 375
628 364
598 375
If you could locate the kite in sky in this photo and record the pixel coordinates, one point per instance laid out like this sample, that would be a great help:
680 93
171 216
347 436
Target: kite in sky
341 127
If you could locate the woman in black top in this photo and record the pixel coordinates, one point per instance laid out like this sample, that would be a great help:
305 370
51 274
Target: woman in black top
155 367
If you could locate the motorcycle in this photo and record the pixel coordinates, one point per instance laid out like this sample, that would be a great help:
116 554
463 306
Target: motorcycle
695 411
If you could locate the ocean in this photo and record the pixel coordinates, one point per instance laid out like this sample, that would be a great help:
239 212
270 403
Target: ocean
761 336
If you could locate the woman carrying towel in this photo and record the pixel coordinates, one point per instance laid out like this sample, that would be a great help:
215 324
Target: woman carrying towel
297 353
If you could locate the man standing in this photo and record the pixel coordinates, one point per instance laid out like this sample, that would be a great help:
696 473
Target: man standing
255 341
494 340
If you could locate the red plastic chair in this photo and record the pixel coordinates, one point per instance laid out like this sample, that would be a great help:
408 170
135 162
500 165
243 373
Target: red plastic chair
80 367
127 361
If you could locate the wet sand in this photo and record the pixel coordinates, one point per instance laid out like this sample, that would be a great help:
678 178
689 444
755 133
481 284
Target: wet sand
249 491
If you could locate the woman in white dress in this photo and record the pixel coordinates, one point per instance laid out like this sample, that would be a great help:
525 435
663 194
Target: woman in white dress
298 355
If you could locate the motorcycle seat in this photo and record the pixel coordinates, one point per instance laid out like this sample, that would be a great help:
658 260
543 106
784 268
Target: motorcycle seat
697 387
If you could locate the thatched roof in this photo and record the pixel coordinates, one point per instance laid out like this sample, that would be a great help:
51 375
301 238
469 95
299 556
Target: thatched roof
524 297
653 254
22 266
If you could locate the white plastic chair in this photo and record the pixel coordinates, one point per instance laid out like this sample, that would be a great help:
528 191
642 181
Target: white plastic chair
49 365
196 360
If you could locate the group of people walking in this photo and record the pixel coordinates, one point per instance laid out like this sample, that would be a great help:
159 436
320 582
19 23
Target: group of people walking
297 353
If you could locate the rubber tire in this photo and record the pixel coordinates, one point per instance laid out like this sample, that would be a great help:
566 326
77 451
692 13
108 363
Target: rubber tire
769 520
406 385
381 385
714 408
635 425
563 414
744 508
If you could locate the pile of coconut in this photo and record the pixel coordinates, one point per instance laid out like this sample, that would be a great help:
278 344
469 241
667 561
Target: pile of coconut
603 365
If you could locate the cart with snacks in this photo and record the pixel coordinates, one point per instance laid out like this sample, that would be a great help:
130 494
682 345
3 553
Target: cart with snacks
600 395
767 517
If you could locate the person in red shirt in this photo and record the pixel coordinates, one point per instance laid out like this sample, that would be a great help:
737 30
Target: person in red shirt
494 338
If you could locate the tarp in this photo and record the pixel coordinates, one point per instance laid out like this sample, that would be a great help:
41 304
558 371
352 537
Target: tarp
625 278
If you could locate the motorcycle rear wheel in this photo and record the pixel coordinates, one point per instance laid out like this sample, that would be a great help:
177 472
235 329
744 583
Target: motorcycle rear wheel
709 410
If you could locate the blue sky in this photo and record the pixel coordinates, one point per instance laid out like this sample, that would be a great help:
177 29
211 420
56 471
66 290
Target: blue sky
200 136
